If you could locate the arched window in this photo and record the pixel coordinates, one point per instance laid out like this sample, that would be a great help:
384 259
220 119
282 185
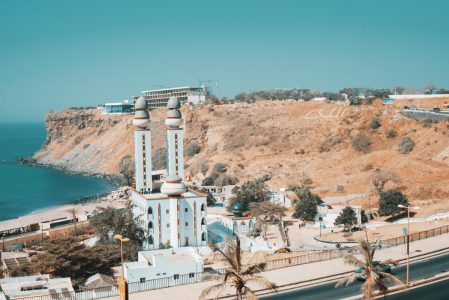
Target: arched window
203 207
150 225
150 211
151 240
203 237
203 221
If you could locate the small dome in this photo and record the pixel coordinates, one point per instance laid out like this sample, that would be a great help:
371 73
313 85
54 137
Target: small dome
140 104
237 209
174 114
173 103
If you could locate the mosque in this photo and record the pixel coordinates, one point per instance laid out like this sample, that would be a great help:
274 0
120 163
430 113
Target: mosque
172 215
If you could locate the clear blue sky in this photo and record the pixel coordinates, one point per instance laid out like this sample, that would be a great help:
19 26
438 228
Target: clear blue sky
55 54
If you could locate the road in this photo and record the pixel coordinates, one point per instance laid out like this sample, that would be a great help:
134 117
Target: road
418 270
434 291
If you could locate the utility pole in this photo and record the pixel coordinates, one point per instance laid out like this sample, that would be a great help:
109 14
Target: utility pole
408 240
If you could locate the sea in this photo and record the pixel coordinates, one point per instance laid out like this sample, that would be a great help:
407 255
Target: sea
27 189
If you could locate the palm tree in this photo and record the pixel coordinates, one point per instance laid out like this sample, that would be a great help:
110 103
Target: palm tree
238 276
373 273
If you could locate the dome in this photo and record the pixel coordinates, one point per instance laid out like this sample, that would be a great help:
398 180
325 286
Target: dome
140 104
173 186
141 114
173 103
174 114
237 209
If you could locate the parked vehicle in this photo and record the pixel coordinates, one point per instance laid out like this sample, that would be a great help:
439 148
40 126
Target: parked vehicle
436 109
283 250
386 268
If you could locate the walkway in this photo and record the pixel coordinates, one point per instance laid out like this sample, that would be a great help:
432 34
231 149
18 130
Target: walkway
299 273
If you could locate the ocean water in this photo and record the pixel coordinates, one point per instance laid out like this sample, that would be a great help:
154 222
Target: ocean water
25 189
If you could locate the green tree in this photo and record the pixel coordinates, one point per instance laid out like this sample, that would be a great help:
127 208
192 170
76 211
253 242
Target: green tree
306 206
347 218
249 192
111 221
210 199
389 201
69 257
371 272
238 276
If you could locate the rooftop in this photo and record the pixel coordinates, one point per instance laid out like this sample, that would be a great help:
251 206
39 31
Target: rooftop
35 285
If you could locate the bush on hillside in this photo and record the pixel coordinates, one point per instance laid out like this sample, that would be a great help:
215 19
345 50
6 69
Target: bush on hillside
391 134
375 123
329 143
192 149
160 159
406 145
361 143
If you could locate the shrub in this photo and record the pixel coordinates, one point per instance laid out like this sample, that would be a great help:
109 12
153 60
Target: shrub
328 143
225 179
391 134
427 123
219 168
375 123
406 145
389 201
361 143
340 188
305 179
192 149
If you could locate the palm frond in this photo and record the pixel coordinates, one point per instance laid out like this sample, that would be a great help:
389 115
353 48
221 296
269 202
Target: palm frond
262 282
352 260
347 280
216 289
250 295
254 269
391 278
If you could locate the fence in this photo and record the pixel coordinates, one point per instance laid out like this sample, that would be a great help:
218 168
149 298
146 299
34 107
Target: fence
136 287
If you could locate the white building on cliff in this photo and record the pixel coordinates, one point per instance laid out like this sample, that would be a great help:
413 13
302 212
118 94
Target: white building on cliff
172 216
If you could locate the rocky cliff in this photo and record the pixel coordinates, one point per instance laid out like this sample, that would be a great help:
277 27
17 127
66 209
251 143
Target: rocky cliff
290 141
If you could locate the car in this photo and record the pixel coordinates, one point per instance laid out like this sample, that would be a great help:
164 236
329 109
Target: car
385 268
436 109
406 107
283 250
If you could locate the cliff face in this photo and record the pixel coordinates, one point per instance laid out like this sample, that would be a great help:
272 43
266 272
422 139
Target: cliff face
288 140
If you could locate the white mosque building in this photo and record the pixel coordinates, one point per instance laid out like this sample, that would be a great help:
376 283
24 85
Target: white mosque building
173 216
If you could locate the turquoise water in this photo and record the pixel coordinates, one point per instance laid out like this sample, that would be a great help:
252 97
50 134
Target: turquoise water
25 189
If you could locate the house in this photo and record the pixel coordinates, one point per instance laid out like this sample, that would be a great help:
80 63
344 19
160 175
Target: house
329 214
221 193
174 264
123 107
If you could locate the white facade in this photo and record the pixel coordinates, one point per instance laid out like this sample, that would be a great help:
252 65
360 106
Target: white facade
186 94
34 286
221 193
329 215
171 221
164 263
175 162
142 149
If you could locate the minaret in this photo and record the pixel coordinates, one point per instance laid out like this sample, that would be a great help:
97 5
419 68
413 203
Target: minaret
175 149
142 147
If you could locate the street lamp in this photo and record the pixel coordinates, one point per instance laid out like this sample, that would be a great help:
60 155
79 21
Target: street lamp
408 239
123 285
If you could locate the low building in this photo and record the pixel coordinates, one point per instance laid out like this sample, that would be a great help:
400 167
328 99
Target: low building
120 108
35 286
186 94
174 264
329 214
221 193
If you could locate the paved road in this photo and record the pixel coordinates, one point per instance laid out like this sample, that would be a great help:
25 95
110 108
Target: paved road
419 270
434 291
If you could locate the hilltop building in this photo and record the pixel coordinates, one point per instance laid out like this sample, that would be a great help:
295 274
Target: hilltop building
117 108
172 215
186 94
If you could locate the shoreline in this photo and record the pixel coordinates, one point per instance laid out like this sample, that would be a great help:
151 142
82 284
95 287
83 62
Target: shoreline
115 180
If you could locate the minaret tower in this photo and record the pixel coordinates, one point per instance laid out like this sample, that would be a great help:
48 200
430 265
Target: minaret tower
175 149
142 147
